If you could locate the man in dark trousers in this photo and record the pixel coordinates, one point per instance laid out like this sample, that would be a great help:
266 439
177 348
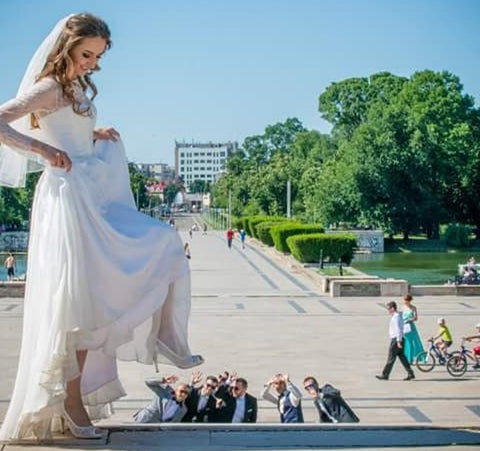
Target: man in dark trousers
236 405
395 349
201 403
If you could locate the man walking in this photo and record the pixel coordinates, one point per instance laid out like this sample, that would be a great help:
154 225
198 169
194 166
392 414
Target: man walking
230 235
395 350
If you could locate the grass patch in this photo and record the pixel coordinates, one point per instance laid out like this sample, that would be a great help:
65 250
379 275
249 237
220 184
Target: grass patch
334 271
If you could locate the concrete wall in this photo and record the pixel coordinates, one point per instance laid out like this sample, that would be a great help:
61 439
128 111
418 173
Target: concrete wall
12 289
13 241
368 288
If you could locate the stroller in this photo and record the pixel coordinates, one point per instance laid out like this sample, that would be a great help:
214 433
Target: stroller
333 408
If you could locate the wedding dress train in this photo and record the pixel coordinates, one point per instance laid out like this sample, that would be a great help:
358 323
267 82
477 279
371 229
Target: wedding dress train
101 276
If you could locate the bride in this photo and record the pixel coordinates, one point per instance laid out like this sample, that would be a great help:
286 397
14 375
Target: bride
104 282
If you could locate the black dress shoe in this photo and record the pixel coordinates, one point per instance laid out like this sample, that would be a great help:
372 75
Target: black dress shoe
409 377
381 377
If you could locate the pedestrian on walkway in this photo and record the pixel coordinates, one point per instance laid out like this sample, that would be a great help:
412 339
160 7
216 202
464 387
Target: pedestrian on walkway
395 349
287 397
243 235
412 343
186 248
230 235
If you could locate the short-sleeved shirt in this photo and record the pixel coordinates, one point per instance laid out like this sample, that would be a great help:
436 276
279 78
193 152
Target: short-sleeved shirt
445 333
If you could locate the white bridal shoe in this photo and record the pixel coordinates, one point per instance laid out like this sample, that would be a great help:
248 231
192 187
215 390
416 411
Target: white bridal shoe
181 362
87 432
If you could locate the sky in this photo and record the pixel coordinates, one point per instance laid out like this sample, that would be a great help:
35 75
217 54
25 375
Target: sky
221 70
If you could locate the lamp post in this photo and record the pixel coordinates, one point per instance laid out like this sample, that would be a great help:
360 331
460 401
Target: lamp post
229 208
289 195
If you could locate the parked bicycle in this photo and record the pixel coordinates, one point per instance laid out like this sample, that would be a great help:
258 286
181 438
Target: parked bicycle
426 360
457 364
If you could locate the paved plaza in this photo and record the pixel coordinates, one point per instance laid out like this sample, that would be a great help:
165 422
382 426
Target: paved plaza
255 314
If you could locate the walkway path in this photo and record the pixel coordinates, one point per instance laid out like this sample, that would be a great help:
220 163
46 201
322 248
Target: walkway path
253 315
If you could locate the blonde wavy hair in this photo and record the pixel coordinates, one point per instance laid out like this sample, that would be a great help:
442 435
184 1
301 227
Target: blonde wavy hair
59 60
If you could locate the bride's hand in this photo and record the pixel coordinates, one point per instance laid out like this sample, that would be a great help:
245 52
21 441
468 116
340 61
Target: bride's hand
106 133
58 159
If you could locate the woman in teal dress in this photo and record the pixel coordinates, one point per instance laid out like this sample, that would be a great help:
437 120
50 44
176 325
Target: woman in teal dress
412 344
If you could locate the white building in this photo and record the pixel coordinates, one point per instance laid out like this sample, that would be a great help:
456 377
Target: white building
201 161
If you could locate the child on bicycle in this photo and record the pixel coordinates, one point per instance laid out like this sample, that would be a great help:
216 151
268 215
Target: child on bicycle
476 350
443 339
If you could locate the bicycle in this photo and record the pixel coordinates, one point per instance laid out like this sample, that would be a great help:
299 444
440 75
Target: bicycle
426 360
457 364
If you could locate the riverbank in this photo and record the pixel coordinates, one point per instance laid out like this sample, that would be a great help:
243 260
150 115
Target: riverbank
422 244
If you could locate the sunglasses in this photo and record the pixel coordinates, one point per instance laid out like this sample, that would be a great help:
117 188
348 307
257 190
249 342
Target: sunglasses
213 387
309 387
235 388
185 392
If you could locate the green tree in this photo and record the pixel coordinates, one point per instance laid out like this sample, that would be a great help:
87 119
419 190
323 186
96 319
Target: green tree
199 186
138 186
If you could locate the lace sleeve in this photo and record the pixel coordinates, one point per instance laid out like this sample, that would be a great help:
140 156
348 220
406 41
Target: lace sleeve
43 98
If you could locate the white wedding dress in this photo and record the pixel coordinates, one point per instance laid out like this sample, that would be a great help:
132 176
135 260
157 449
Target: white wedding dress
101 276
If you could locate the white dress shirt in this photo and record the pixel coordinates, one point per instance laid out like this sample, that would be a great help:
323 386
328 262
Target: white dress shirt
202 403
395 329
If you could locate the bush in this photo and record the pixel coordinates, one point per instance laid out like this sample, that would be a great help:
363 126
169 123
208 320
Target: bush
281 232
458 235
254 223
247 223
336 247
263 231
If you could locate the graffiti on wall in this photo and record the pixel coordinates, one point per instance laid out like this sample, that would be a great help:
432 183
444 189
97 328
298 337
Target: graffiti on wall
367 240
13 241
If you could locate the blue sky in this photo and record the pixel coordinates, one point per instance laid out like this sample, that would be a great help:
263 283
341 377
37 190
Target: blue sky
212 70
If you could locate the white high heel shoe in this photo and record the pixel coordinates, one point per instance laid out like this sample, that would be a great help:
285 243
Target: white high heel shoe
183 363
86 432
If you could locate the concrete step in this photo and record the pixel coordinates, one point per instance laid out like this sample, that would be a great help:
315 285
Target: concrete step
204 437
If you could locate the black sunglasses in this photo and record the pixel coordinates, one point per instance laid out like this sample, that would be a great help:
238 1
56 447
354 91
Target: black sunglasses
310 387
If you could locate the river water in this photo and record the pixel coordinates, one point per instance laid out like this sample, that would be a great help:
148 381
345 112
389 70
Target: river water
419 268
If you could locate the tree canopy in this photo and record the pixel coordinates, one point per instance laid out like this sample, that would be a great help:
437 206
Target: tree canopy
403 154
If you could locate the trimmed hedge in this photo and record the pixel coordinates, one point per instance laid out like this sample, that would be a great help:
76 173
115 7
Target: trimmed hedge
336 247
247 223
263 231
254 223
282 232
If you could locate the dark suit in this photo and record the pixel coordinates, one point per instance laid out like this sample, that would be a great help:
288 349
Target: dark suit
193 415
225 414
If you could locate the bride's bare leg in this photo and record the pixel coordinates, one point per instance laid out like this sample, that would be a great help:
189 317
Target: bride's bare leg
73 402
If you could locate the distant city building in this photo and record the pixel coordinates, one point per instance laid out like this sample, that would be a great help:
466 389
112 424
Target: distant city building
160 171
201 161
